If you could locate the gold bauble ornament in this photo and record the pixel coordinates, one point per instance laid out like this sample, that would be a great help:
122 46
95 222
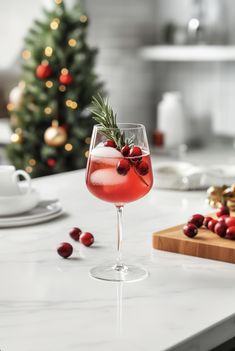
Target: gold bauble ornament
222 195
55 135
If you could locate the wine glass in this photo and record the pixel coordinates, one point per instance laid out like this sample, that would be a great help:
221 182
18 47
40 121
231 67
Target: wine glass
119 175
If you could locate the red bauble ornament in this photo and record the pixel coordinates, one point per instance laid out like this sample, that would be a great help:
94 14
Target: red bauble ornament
66 79
51 162
43 71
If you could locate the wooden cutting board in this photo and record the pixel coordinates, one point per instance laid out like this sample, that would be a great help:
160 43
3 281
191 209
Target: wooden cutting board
205 244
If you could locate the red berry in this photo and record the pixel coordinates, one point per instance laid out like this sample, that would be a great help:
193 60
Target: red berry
197 220
123 167
135 151
222 219
206 221
190 230
65 250
125 150
230 221
230 233
86 239
110 143
220 229
212 224
223 210
142 168
75 233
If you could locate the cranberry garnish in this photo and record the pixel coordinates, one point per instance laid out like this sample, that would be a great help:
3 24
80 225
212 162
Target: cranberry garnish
123 167
142 168
230 233
212 224
206 221
125 150
110 143
135 151
65 250
197 220
86 239
230 221
220 229
75 233
223 210
190 230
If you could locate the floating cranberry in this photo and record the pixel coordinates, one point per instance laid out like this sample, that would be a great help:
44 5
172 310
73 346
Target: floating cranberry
110 143
75 233
123 167
197 220
230 233
142 168
190 230
206 221
223 210
220 229
230 221
212 224
65 250
135 151
125 150
86 239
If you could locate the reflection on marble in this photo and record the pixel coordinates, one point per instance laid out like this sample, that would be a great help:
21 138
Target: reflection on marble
47 303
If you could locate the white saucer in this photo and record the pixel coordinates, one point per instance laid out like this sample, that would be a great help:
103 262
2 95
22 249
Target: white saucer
44 211
16 204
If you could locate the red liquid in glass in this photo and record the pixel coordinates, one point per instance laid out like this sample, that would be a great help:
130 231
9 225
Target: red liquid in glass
104 182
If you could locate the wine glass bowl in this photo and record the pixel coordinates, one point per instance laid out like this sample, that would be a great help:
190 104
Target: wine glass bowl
119 171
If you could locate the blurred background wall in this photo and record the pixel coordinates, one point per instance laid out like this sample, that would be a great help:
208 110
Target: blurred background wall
119 29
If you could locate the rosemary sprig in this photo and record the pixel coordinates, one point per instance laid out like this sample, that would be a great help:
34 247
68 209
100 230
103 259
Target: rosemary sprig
104 115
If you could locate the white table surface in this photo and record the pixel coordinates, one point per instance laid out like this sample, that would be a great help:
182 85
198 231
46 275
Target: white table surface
49 303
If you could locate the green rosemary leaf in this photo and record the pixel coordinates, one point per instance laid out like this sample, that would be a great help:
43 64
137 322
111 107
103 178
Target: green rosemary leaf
104 115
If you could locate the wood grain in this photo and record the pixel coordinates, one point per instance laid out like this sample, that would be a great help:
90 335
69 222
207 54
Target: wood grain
206 244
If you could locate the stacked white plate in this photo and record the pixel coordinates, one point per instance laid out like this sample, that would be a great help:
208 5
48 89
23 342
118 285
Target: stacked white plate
27 209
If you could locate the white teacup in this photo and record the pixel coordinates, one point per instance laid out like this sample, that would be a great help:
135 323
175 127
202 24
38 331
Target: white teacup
9 182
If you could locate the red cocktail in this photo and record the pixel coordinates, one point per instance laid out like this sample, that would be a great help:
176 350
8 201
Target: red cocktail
119 171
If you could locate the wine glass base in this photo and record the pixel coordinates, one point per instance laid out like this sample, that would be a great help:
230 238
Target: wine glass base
128 274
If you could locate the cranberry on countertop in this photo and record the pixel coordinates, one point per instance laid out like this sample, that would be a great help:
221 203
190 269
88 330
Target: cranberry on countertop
86 239
65 250
75 233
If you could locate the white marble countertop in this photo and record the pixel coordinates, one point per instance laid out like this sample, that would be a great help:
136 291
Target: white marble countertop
48 303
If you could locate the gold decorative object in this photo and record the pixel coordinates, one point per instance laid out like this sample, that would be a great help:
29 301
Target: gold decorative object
55 135
222 195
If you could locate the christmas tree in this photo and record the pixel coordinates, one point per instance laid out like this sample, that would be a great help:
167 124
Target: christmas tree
49 111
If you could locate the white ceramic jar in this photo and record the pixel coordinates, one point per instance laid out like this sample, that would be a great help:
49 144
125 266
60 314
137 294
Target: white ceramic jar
171 119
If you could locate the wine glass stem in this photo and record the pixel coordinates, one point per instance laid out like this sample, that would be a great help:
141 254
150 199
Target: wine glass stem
119 265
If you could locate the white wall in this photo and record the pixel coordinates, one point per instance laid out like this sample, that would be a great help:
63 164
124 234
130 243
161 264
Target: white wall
119 28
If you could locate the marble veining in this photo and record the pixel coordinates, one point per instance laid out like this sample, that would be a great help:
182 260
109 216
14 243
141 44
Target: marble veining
47 303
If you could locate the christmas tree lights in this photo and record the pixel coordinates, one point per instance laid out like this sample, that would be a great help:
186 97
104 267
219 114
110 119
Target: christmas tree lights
49 111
